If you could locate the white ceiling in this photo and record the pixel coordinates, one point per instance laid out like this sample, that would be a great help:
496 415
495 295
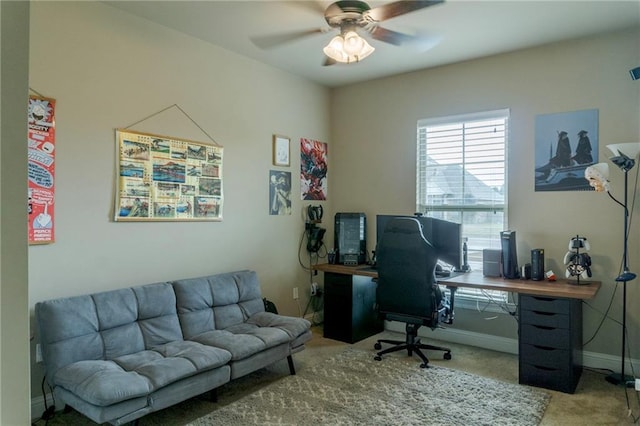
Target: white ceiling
463 30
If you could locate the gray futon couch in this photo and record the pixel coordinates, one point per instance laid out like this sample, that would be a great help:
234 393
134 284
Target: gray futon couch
118 355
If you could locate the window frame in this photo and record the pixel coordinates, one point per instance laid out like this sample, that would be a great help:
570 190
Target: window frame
480 300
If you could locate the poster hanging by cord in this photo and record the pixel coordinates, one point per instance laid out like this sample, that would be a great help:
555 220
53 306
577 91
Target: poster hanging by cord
162 178
41 169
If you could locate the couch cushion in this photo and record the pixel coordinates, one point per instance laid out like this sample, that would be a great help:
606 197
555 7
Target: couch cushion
68 331
271 336
157 314
216 302
104 383
201 356
294 327
244 341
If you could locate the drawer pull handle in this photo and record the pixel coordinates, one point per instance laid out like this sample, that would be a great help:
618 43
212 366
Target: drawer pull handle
546 299
543 313
544 348
539 367
543 327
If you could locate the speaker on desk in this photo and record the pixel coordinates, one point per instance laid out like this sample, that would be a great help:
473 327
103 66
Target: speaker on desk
537 264
491 263
509 255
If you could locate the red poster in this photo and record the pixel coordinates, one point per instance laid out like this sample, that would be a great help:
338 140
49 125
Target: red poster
313 169
42 143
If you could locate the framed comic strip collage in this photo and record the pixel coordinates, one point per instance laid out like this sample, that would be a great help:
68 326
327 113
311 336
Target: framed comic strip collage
161 178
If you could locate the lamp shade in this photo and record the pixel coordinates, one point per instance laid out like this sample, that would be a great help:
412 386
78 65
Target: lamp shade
598 176
624 154
631 149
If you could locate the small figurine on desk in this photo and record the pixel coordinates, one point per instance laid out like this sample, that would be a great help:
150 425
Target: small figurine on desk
578 264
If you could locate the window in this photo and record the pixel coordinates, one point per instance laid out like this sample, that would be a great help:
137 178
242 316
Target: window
461 177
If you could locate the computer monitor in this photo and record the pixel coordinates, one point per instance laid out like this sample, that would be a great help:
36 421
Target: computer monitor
444 235
447 238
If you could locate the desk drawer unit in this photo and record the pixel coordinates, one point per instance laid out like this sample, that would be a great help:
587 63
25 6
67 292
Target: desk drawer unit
349 307
550 342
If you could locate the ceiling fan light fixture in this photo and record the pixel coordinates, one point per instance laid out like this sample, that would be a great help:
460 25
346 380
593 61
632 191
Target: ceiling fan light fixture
348 48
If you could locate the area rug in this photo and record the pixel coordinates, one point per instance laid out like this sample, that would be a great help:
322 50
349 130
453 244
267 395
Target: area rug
352 389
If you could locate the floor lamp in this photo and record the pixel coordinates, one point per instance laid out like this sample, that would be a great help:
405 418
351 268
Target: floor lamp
597 175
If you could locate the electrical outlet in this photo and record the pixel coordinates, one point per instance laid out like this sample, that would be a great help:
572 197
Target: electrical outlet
638 385
38 353
295 293
314 289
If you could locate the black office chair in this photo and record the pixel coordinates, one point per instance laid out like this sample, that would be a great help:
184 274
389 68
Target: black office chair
407 289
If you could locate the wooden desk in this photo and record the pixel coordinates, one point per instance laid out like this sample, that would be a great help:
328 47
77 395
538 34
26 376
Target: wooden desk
549 318
560 288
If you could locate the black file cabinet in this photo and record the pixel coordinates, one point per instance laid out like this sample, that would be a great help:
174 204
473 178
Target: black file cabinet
550 342
349 307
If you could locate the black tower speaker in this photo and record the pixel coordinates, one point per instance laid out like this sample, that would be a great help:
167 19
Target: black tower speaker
537 264
509 255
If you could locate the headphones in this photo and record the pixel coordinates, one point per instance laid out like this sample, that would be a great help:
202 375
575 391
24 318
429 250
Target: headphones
579 264
314 213
578 242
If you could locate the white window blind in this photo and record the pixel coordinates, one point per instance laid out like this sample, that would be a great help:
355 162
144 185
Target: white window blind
461 177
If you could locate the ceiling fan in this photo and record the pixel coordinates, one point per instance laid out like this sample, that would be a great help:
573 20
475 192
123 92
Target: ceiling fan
349 16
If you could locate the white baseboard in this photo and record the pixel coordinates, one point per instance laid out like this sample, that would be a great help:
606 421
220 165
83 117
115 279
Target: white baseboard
37 406
502 344
486 341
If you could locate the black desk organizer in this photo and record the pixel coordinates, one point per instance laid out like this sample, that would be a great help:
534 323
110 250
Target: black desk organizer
550 343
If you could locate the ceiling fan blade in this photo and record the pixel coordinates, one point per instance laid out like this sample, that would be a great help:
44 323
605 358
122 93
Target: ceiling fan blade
314 6
275 40
421 41
391 37
397 8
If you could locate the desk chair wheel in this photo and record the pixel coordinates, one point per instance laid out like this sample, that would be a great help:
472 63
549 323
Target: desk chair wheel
377 358
424 365
447 355
377 346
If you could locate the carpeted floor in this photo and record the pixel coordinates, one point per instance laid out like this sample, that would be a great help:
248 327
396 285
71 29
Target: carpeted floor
596 402
352 389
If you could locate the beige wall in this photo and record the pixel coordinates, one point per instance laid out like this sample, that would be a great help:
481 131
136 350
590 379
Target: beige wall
108 69
14 318
374 144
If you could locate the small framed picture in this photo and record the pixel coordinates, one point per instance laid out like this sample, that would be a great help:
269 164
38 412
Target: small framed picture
281 150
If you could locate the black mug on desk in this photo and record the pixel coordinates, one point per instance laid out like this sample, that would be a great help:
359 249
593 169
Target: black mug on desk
331 257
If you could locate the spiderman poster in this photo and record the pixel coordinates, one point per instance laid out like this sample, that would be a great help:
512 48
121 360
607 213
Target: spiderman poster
313 169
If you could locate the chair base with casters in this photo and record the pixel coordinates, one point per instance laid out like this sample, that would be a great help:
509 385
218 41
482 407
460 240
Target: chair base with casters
411 344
